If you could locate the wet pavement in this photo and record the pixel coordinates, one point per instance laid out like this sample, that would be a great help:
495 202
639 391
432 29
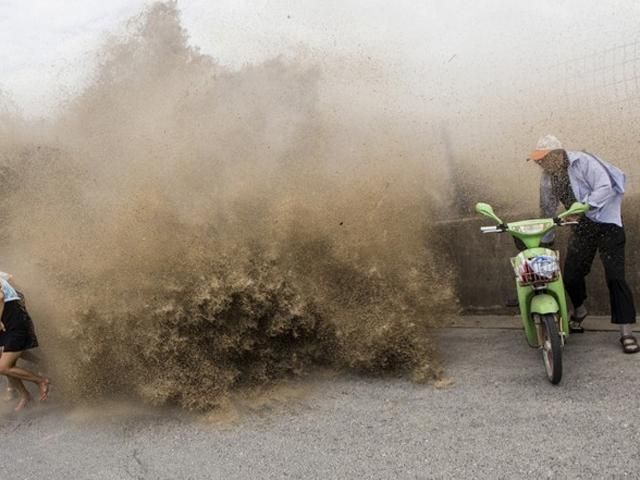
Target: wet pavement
495 416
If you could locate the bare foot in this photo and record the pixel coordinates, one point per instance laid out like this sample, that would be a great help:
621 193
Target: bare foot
22 404
44 389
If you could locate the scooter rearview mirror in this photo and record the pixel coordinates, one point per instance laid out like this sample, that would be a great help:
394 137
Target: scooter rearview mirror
575 209
487 210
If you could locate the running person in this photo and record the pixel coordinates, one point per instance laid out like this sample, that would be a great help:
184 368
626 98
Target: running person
17 335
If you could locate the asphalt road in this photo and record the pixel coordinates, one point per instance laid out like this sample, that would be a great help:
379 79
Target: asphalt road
499 418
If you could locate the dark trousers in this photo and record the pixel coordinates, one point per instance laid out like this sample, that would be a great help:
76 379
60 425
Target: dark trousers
588 238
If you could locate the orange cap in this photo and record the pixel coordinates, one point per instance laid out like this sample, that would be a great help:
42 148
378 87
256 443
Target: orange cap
546 144
538 155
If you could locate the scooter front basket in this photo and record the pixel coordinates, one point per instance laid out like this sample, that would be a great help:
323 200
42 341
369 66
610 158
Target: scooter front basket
537 270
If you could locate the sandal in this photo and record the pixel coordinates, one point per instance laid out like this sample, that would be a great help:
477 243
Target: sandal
629 344
575 324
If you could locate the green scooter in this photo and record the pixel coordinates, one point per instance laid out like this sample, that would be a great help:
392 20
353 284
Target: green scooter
541 296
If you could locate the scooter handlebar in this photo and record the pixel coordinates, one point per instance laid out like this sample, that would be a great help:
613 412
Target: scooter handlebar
492 229
561 222
502 228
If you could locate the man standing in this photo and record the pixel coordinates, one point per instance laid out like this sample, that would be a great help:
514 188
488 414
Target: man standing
569 176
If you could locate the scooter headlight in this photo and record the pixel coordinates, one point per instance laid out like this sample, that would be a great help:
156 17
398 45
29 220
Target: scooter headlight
531 229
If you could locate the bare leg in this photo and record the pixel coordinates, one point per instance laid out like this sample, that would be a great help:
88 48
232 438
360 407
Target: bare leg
25 396
8 367
11 393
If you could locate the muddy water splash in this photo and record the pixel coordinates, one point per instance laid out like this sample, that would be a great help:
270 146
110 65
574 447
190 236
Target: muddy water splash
187 231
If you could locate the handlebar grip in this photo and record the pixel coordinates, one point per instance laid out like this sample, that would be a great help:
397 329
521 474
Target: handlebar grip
491 229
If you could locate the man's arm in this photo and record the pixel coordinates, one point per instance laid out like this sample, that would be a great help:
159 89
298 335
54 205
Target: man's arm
548 205
548 200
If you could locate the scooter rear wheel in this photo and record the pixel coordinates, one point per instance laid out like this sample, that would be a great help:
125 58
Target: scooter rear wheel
551 348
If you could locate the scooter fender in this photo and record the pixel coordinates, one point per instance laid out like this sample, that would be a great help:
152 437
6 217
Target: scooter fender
544 304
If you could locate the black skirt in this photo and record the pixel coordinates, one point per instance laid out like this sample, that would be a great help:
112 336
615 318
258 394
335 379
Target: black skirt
19 333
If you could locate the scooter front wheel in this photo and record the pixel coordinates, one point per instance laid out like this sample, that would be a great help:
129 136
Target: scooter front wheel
551 348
